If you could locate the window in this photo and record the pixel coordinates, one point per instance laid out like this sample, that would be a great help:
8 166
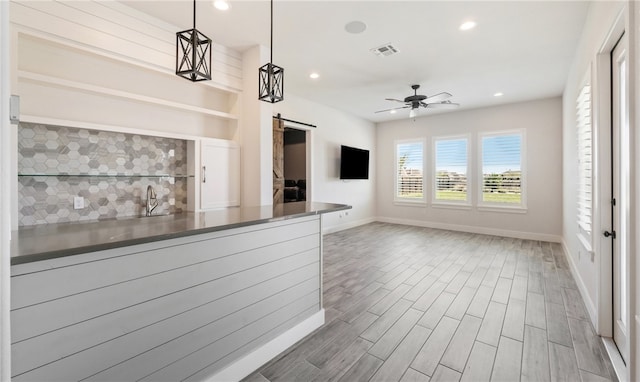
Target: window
409 170
450 170
502 169
585 153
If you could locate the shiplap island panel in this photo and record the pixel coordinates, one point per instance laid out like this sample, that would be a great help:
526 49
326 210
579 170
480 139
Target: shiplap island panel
187 307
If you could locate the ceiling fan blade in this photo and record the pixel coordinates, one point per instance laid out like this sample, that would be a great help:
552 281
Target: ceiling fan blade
443 105
395 100
438 97
395 108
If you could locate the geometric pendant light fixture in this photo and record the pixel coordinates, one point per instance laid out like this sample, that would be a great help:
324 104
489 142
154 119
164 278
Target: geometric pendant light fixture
193 53
271 77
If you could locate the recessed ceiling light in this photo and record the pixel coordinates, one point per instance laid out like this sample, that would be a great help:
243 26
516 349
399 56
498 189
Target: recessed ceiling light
355 27
498 94
221 5
392 112
467 25
314 75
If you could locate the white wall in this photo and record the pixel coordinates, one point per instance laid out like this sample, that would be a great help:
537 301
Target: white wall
335 128
541 120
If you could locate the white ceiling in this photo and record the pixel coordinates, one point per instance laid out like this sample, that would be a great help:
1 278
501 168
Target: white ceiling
520 48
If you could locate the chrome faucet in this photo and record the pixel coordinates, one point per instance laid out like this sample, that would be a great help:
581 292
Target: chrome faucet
152 201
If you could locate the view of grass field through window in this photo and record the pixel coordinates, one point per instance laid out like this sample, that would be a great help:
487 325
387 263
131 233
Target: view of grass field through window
409 170
451 169
502 168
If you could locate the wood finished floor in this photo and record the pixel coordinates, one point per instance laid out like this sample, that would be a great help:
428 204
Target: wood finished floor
417 304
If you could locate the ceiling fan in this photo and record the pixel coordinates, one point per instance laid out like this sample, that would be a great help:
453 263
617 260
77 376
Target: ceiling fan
416 101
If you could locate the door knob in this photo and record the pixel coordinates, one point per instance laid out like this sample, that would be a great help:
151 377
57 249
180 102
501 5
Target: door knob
612 234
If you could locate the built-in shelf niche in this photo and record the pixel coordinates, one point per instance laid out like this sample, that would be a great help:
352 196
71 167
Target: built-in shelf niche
60 81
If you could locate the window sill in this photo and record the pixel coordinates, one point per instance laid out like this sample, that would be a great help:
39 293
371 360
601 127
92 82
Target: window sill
410 203
503 209
585 243
453 206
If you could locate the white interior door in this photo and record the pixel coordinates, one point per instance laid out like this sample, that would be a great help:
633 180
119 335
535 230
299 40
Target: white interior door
621 196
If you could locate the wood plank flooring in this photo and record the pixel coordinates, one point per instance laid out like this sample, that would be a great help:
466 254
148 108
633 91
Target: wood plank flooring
416 304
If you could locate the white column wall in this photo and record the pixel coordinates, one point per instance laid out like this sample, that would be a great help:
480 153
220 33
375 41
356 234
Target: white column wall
5 195
256 133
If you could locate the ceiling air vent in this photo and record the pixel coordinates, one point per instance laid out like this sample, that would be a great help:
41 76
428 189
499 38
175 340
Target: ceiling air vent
385 50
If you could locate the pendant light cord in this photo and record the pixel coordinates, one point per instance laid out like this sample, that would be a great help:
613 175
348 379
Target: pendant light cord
194 14
271 47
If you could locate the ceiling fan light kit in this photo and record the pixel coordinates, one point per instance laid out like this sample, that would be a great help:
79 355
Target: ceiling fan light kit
193 53
271 77
416 101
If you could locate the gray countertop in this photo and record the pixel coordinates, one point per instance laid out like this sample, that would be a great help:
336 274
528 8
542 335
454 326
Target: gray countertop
50 241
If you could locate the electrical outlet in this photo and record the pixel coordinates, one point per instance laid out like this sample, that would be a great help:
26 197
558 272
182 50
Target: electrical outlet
78 202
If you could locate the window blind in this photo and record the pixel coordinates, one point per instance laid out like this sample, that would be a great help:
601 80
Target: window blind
409 170
450 169
502 168
585 156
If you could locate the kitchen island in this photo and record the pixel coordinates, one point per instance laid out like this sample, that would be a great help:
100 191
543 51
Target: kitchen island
195 296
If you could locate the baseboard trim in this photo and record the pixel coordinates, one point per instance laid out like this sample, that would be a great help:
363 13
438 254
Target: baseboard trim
473 229
591 307
342 227
616 359
252 361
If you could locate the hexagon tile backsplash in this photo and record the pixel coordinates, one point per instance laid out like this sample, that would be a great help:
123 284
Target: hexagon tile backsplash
110 170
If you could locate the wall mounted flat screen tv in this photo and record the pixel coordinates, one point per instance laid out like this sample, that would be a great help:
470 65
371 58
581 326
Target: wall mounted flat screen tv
354 163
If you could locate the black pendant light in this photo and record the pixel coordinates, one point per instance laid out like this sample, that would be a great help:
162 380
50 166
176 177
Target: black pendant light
271 77
193 53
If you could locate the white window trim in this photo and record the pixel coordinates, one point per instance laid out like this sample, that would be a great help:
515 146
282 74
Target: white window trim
503 207
410 201
465 204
